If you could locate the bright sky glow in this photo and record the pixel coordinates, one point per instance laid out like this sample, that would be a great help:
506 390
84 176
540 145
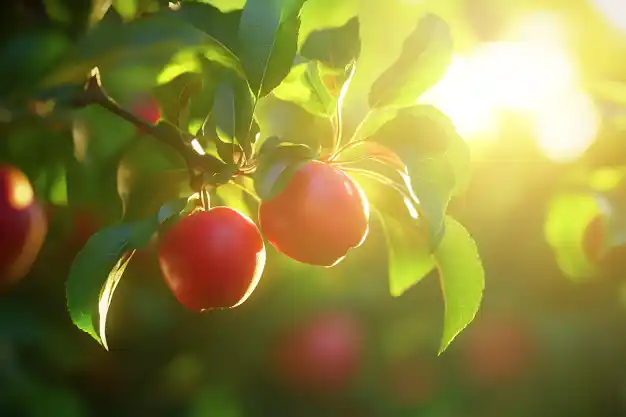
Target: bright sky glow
614 11
524 74
565 130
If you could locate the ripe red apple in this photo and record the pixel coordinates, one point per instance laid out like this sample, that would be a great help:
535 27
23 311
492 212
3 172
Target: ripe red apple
23 225
147 108
497 350
212 259
323 354
319 216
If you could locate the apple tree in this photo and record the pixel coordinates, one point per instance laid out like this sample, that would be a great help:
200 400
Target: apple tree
156 107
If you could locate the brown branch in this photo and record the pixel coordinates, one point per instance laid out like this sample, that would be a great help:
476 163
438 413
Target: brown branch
216 170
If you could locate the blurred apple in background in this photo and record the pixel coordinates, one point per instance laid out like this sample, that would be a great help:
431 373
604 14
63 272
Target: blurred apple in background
610 260
23 225
497 350
71 228
147 108
322 353
414 381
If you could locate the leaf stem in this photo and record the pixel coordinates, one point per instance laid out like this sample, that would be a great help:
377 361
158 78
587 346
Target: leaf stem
361 124
345 147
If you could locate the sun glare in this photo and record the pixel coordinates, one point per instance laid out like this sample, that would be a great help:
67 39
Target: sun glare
565 130
613 10
524 74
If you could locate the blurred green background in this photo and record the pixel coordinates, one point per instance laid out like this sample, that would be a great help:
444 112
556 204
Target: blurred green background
537 88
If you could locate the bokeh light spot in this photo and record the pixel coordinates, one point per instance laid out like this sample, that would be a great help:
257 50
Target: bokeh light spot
22 194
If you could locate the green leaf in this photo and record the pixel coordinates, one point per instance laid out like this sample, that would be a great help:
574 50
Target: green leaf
276 166
286 120
462 280
73 15
100 140
184 107
209 19
106 295
296 88
95 263
334 47
27 58
234 196
409 255
313 87
185 99
426 54
149 174
436 157
232 112
268 36
171 209
126 8
99 266
99 10
137 52
567 217
144 230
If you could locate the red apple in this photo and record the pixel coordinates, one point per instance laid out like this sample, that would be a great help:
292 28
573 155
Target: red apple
23 225
320 215
323 354
212 259
497 350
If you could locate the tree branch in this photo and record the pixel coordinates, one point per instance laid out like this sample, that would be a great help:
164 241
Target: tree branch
216 170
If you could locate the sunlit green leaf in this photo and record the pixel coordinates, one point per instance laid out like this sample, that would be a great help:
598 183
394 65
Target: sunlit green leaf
436 157
188 97
286 120
334 47
462 280
233 110
139 50
233 196
268 35
305 87
108 290
126 8
409 253
567 217
100 264
426 54
89 273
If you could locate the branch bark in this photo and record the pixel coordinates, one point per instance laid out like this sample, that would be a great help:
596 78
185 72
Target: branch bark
213 170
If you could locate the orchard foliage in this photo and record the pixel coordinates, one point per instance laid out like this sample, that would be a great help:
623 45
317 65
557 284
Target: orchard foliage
585 224
157 107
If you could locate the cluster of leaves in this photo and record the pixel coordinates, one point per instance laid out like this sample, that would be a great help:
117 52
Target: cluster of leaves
212 72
